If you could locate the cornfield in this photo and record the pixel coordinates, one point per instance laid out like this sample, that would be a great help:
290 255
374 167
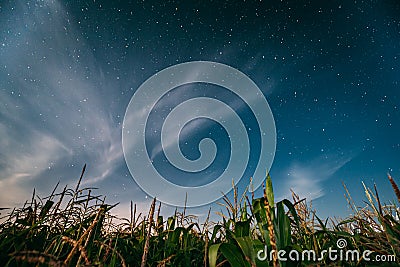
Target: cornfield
74 227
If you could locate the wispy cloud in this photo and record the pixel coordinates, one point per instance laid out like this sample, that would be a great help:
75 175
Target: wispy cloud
52 107
307 179
21 166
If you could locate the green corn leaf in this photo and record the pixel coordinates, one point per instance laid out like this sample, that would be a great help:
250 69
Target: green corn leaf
242 228
259 210
283 227
215 231
213 254
231 253
292 211
261 218
246 245
171 223
174 235
269 191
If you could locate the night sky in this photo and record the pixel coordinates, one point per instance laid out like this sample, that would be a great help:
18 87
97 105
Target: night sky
329 71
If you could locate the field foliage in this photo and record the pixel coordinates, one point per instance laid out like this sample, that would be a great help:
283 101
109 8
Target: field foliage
74 227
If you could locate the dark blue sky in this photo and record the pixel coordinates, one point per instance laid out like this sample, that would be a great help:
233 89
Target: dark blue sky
330 72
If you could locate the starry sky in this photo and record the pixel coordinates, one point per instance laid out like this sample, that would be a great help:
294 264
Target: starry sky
329 71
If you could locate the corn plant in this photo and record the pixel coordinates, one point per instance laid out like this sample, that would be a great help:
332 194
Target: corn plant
74 227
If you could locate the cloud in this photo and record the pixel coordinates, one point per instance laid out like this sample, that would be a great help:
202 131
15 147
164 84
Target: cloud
21 166
54 110
306 179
